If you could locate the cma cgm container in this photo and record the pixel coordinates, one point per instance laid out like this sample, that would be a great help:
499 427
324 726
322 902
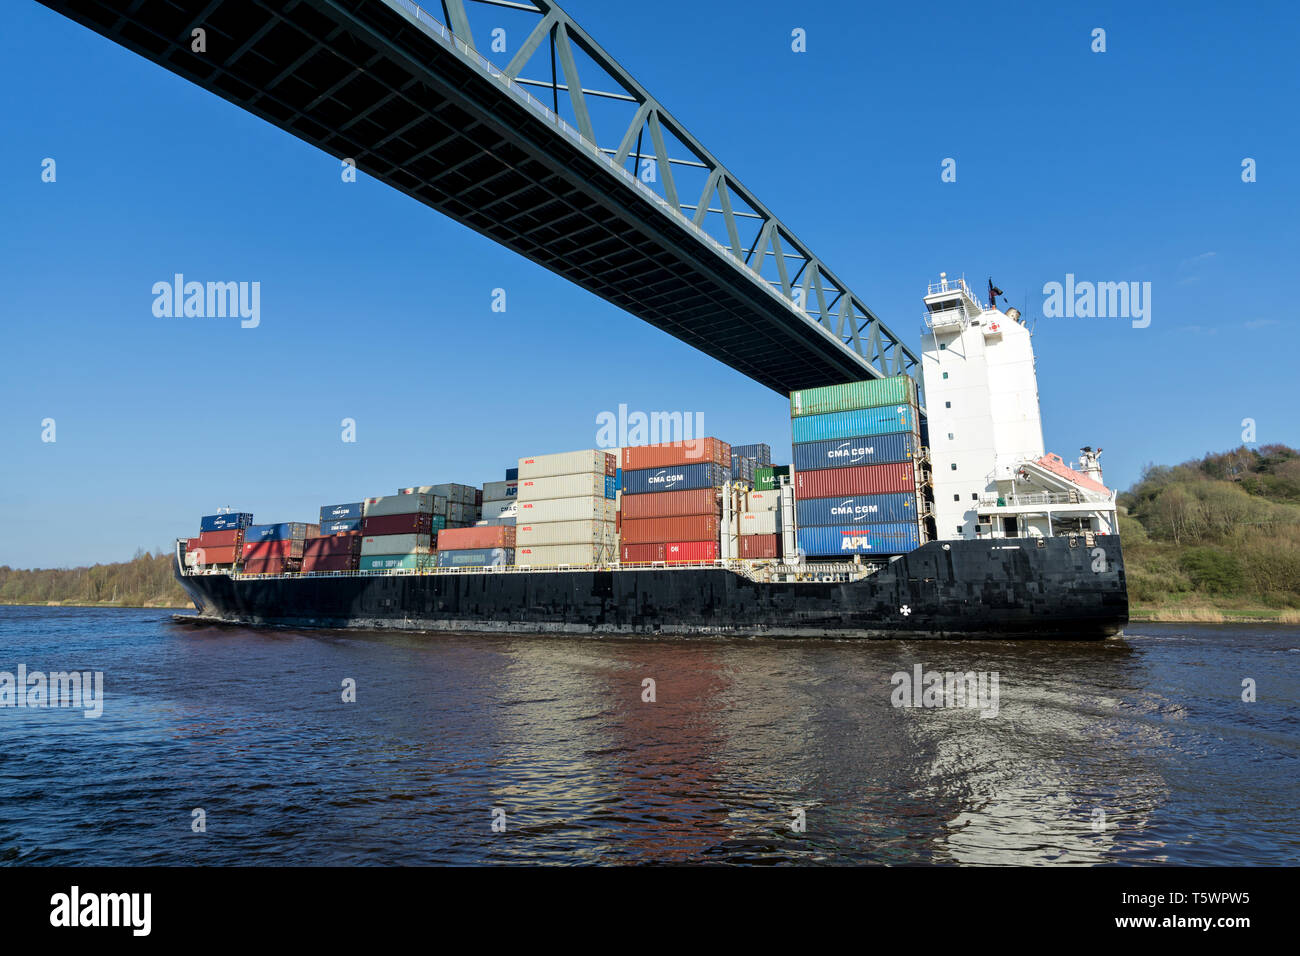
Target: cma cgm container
480 558
856 509
340 526
898 390
566 486
754 547
897 538
284 531
674 478
671 504
863 479
587 462
399 505
477 539
344 512
653 530
225 522
693 451
396 544
504 507
418 522
691 551
843 453
865 421
566 509
561 532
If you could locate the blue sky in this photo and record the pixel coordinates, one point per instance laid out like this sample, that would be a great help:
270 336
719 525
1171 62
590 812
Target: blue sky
1124 165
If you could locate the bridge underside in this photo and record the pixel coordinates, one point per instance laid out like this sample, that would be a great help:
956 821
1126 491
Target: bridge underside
358 80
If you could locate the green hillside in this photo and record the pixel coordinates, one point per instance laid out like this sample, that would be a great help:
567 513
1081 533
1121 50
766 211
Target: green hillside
144 581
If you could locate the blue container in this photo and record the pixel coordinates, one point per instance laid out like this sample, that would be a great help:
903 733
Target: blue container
284 531
611 486
352 509
642 481
477 558
618 480
857 509
225 522
824 542
339 527
512 474
742 469
762 454
864 421
846 452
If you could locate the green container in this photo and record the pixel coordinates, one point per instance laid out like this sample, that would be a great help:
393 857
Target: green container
763 478
391 562
899 390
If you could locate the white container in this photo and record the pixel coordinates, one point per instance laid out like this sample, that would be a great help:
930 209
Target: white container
461 513
462 494
563 554
561 532
496 490
399 505
397 544
758 522
764 500
565 509
588 484
499 509
590 461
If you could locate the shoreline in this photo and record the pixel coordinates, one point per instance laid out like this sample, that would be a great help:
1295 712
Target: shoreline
116 604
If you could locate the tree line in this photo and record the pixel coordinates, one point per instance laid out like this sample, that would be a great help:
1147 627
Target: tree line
145 580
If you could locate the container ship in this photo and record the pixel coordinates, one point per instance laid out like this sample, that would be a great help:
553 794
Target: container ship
908 509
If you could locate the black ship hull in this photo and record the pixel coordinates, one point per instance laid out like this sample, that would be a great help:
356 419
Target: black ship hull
1052 589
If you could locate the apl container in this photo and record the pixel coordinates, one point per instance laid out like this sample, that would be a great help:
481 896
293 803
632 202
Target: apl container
898 390
396 544
477 539
479 558
591 461
225 522
353 509
341 526
690 452
651 530
499 490
865 421
856 509
846 452
862 480
897 538
674 478
672 504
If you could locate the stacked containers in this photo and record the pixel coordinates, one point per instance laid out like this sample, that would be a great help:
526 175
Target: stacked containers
338 547
670 504
398 531
458 504
492 545
566 509
856 485
760 525
499 498
276 548
220 542
747 459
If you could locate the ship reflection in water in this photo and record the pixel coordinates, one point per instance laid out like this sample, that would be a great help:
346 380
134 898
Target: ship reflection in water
751 752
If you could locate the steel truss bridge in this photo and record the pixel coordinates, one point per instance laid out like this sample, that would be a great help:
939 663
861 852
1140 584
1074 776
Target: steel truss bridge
520 126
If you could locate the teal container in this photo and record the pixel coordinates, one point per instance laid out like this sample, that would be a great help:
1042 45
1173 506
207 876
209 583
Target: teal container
856 424
851 396
393 562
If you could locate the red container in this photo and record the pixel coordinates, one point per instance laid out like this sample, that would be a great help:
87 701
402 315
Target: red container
233 537
478 497
754 546
259 550
217 555
861 480
644 553
691 452
672 504
474 539
419 523
654 530
330 546
271 565
191 543
691 551
331 562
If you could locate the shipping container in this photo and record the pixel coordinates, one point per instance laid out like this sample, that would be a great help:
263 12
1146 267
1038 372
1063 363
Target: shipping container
499 490
479 558
860 480
330 562
754 547
512 474
192 543
691 452
672 504
220 539
225 522
477 539
898 538
760 454
284 531
592 461
341 525
281 548
399 505
643 553
453 492
549 555
207 556
332 546
742 469
418 523
764 478
759 522
856 509
566 486
498 509
674 478
650 530
898 390
344 512
865 421
563 532
692 552
843 453
763 500
394 562
272 565
565 509
396 544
